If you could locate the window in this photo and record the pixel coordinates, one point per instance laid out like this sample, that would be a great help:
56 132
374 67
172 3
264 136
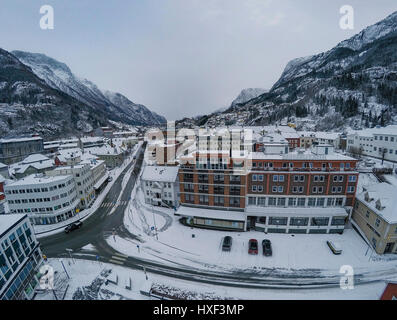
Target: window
352 178
299 221
254 177
367 214
311 202
275 178
301 202
351 189
272 201
314 190
377 222
280 189
254 188
274 189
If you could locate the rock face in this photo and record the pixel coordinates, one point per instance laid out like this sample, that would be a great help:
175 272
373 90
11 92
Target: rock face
247 95
29 105
116 106
353 84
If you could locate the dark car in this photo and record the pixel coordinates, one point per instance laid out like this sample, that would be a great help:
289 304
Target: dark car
227 243
267 248
253 246
73 226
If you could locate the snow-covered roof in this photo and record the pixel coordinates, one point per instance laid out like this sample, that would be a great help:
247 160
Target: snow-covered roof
385 195
20 139
389 130
35 158
34 179
160 173
211 214
8 220
105 150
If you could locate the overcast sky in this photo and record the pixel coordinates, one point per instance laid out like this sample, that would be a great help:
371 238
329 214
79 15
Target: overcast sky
182 57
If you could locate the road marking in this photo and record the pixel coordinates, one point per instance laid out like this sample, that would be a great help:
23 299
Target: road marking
121 255
118 258
115 261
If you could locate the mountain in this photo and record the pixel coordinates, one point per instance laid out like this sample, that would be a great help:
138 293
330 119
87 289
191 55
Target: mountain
353 84
116 106
29 105
247 95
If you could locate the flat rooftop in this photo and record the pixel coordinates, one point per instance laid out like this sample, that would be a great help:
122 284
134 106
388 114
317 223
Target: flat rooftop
9 220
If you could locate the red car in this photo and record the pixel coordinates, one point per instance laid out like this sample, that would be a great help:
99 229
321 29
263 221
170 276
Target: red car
253 246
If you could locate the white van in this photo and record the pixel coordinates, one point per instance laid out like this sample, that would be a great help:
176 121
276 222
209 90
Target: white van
335 247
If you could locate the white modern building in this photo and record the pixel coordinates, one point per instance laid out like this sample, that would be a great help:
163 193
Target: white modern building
20 258
160 185
377 142
46 199
84 181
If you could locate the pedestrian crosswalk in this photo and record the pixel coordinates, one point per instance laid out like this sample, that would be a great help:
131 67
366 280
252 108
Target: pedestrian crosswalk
118 258
114 204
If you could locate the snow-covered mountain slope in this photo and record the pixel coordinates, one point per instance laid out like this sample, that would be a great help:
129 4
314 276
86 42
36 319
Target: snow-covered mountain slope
59 76
353 84
247 95
29 105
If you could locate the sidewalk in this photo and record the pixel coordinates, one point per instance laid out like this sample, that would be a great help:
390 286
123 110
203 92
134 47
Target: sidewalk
45 231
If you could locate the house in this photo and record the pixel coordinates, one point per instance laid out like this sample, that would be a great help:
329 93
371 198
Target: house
160 185
375 215
33 164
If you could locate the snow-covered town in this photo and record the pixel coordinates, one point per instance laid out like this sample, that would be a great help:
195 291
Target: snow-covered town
263 209
192 151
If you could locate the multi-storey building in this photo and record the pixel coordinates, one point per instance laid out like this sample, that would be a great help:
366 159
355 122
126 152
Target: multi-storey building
20 258
4 170
274 190
46 199
378 143
160 185
84 181
14 150
375 215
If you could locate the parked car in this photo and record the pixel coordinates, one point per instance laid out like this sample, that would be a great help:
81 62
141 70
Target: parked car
267 248
110 179
369 163
335 247
73 226
227 243
253 246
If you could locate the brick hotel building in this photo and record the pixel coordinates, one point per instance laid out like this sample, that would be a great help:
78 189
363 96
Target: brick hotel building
274 190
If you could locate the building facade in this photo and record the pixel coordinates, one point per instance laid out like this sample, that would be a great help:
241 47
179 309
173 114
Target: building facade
20 258
14 150
277 191
45 199
376 216
161 186
379 143
84 182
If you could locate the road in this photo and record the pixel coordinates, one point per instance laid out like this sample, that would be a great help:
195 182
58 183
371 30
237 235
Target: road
100 225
